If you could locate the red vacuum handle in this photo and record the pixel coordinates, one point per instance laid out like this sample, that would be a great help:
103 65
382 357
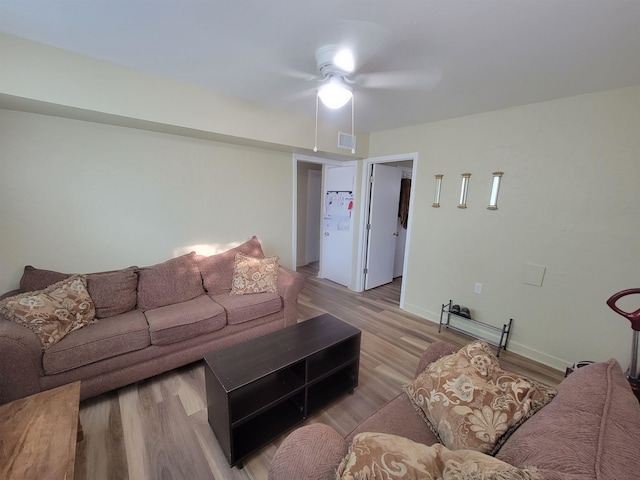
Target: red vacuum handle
633 317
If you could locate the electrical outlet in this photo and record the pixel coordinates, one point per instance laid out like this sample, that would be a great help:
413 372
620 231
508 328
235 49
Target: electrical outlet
478 288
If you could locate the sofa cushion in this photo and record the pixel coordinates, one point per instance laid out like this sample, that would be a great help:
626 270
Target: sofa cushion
103 339
174 281
244 308
398 417
53 312
180 321
38 279
113 292
217 270
384 456
254 275
470 402
591 429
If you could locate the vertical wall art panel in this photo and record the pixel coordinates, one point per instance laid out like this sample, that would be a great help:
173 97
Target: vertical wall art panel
464 188
436 196
495 187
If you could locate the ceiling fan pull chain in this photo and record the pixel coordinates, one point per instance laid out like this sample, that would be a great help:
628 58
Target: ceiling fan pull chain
315 145
353 132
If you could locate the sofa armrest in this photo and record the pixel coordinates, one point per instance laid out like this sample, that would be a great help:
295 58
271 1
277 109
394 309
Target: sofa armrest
433 352
289 285
20 361
312 452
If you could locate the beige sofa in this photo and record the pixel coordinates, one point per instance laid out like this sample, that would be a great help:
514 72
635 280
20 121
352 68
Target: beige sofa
589 430
148 320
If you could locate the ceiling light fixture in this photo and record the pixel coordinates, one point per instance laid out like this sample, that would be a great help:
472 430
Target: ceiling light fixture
334 65
339 100
335 94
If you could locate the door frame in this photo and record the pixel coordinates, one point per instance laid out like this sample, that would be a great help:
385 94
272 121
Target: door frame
324 161
365 195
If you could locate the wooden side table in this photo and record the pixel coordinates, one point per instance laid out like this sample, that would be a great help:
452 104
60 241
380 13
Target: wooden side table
38 435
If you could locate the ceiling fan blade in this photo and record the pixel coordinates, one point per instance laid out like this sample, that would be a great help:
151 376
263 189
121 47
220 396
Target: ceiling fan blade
400 79
295 74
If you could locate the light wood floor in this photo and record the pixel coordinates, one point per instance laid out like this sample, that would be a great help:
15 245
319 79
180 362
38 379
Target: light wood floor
157 429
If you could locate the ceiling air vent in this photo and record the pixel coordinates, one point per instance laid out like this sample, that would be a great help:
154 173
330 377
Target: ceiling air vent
346 141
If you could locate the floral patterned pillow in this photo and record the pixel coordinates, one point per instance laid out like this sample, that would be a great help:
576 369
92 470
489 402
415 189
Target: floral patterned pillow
53 312
385 456
254 275
469 402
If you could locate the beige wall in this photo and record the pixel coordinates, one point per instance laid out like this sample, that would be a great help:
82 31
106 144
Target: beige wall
568 201
80 197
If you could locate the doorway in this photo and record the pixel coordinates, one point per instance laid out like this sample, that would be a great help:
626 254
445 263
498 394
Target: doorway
382 225
308 213
326 248
406 163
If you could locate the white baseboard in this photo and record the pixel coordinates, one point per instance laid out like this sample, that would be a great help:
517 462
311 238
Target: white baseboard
515 347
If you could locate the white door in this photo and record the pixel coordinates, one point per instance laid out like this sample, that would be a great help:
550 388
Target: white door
383 222
337 224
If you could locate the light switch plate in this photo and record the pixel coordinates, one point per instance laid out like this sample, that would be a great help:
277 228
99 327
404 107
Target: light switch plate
533 274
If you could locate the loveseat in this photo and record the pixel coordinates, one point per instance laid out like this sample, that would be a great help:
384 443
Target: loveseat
590 429
141 321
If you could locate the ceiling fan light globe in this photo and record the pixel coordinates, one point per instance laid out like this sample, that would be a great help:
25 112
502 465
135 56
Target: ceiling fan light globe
334 95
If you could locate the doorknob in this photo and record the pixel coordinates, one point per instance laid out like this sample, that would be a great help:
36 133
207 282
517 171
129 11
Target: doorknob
395 234
326 234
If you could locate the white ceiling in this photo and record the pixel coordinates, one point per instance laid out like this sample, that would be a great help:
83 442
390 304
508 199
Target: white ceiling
419 60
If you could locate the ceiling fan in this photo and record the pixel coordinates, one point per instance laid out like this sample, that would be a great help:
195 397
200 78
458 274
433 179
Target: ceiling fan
335 65
359 55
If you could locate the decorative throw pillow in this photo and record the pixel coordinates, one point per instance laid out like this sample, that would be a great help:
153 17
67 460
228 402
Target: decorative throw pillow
53 312
113 292
385 456
217 269
469 402
254 275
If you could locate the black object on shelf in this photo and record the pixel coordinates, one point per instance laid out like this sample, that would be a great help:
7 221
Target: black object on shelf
448 312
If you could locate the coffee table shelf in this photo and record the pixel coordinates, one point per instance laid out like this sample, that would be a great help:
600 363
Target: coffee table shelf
330 388
252 435
333 358
263 393
261 388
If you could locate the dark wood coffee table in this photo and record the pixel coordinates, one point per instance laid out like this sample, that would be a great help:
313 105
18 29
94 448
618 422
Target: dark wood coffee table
263 387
